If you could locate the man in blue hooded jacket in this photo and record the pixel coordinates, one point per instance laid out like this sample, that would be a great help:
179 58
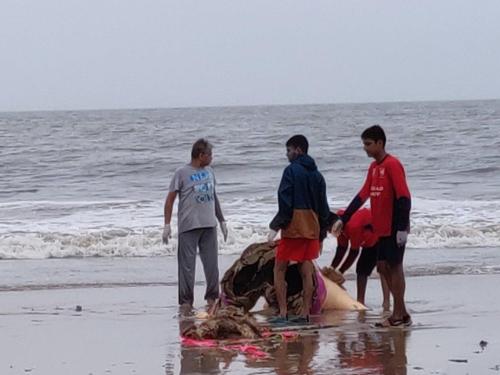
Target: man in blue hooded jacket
303 219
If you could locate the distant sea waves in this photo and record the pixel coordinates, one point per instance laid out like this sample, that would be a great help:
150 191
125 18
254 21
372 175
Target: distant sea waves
93 183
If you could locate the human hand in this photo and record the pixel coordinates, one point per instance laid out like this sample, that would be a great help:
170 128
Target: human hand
166 233
223 229
401 237
337 228
271 236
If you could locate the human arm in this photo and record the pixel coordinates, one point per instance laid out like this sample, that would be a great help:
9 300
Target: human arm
356 203
343 243
326 218
220 218
218 209
285 204
353 236
356 235
402 202
167 214
351 257
339 255
359 199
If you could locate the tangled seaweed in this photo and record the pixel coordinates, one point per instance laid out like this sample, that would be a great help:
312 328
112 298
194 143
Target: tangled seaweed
226 323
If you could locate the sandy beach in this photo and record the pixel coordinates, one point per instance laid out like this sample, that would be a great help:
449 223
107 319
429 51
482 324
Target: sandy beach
87 287
128 324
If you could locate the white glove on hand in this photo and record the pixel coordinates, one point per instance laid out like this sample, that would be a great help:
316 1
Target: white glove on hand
401 237
337 228
271 236
166 233
223 229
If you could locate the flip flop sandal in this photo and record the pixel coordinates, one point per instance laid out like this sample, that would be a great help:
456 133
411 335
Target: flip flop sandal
278 321
407 320
300 320
389 322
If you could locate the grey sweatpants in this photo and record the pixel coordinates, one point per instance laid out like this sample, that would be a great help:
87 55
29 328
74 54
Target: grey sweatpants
206 240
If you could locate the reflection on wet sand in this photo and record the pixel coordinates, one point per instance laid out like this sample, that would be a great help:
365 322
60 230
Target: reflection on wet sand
352 346
290 357
205 360
373 352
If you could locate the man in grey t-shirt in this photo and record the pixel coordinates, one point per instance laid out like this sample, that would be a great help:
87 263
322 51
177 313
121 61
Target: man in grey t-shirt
198 212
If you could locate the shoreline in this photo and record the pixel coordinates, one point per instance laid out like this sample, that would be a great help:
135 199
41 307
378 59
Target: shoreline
135 329
25 274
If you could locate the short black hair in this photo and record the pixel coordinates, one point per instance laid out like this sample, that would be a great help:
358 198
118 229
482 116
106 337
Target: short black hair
201 146
375 133
298 141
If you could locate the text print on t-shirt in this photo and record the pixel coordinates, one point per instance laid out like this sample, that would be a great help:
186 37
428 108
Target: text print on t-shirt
205 189
375 190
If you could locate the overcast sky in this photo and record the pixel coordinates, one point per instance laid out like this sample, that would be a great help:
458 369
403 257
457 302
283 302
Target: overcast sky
68 54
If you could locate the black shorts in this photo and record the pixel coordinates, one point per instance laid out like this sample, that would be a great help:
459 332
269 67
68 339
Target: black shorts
389 251
367 261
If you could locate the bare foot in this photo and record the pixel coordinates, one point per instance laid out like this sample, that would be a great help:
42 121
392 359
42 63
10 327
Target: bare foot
213 305
186 309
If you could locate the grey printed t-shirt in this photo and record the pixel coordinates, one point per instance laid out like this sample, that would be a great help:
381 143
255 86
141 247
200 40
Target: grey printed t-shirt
196 189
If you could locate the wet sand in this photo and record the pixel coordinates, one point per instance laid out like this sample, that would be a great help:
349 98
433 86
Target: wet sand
135 330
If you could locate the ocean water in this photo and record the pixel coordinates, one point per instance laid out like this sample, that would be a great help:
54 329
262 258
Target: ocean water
93 183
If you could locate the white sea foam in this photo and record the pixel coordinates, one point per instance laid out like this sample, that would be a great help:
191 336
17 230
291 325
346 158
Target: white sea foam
128 228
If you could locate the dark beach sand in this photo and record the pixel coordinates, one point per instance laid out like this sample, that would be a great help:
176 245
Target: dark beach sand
135 330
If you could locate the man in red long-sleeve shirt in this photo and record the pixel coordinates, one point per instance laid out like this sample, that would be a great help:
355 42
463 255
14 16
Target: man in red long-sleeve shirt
390 202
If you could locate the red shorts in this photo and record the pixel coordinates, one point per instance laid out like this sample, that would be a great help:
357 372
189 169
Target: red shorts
297 249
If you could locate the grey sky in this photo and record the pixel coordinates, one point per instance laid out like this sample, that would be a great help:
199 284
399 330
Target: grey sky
68 54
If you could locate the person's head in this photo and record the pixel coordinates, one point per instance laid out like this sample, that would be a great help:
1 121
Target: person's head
202 152
373 140
295 146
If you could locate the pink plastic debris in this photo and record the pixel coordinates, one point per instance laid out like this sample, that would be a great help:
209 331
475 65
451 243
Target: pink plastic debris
250 350
285 335
289 334
200 343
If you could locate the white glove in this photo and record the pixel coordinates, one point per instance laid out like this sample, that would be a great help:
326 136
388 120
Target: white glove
166 233
223 229
401 237
271 235
337 228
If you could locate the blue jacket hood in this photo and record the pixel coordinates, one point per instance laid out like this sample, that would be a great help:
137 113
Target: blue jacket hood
306 161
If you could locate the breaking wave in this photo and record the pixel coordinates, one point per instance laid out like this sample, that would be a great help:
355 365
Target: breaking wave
133 229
